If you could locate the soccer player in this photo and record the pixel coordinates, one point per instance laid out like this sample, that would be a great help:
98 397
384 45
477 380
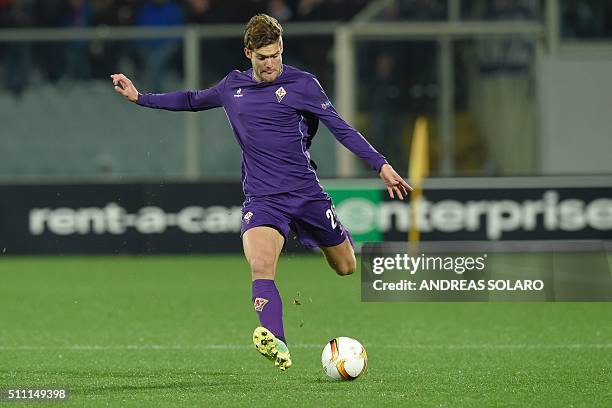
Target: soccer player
274 110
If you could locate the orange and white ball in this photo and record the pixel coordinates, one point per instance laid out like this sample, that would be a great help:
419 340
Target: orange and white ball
344 358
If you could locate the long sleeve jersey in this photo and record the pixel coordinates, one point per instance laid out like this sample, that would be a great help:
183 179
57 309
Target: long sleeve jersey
274 124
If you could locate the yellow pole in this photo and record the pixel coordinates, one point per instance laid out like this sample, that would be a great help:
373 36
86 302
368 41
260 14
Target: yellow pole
418 170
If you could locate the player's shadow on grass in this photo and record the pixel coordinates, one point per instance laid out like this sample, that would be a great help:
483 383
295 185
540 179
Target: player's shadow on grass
176 379
222 380
176 373
105 389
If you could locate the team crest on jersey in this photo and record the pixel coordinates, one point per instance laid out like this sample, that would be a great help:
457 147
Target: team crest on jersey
238 93
259 304
280 94
247 217
326 105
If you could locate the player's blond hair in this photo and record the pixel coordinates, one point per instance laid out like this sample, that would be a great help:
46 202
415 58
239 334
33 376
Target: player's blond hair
262 30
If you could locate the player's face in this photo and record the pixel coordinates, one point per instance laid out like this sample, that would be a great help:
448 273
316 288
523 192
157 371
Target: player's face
267 61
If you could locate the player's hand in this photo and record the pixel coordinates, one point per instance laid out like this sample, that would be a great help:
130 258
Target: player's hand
125 87
394 182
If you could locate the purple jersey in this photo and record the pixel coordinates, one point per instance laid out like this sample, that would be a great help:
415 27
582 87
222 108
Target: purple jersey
274 123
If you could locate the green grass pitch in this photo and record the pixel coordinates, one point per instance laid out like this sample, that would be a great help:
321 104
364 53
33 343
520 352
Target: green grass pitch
175 331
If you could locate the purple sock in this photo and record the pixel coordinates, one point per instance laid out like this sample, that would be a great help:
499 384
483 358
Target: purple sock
269 307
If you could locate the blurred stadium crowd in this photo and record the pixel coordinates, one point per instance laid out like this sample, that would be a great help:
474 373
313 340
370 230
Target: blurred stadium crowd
25 63
582 18
70 13
396 80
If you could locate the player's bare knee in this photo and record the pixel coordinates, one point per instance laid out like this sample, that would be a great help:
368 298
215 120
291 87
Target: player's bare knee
346 267
344 270
262 267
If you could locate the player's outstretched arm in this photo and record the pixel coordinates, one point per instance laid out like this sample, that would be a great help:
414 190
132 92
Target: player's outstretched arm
394 182
173 101
317 102
124 86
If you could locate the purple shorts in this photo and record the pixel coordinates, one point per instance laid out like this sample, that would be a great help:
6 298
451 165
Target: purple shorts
309 214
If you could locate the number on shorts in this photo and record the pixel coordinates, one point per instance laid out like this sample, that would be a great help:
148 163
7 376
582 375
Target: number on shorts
331 216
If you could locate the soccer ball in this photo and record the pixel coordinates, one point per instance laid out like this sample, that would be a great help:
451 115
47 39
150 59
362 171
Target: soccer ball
344 358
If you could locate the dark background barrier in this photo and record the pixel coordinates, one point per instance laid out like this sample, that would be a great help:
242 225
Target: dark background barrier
121 218
482 209
206 217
